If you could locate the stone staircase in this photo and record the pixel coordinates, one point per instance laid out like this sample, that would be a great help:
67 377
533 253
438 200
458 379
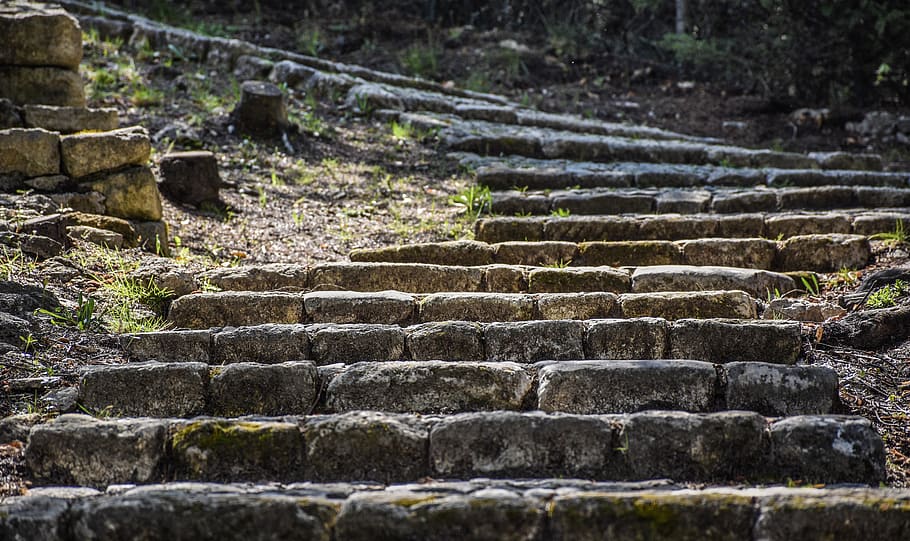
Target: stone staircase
580 377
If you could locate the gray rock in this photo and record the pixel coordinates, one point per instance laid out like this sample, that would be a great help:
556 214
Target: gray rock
801 310
726 340
89 202
165 274
445 341
366 446
22 300
42 85
744 201
511 444
266 277
29 153
384 307
791 225
428 387
235 308
745 253
464 252
268 343
16 427
70 119
689 304
694 446
630 253
824 253
190 177
80 450
534 253
354 343
531 341
101 237
683 201
580 306
146 389
828 449
285 71
86 153
572 279
691 278
485 307
33 518
588 387
129 193
639 338
505 278
168 346
404 277
288 388
38 35
248 68
782 391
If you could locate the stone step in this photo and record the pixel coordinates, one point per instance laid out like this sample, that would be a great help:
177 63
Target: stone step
508 510
188 389
284 306
710 340
387 447
511 172
819 253
696 201
687 226
230 308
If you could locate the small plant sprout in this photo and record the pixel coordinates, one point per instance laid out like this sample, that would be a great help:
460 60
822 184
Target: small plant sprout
560 264
475 200
887 296
81 317
847 276
810 284
263 196
402 131
561 213
28 343
893 238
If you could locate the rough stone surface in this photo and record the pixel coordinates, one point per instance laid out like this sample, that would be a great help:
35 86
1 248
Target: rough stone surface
98 221
190 177
620 253
477 307
131 194
745 253
828 449
38 35
269 343
428 387
407 278
532 341
146 389
358 342
572 279
786 226
366 446
510 444
694 447
824 253
580 306
80 450
387 307
233 308
534 253
461 252
225 450
29 153
801 310
70 119
258 277
86 153
42 85
506 278
589 387
288 388
726 340
168 346
695 304
691 278
446 341
780 391
639 338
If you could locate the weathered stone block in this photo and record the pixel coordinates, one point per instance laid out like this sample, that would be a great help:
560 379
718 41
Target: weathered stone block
630 253
111 223
694 304
683 201
42 85
70 119
531 341
462 252
428 387
35 518
146 389
101 237
38 35
745 253
818 197
477 307
588 387
750 201
168 346
80 450
782 391
493 230
354 343
514 203
791 225
29 153
824 253
591 228
743 226
404 277
505 278
270 276
445 341
726 340
574 279
87 153
640 338
511 444
366 446
694 446
219 450
675 227
534 253
580 306
131 194
827 449
385 307
603 202
190 177
692 278
268 343
288 388
235 308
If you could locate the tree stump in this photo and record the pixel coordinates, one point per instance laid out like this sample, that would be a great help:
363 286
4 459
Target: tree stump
190 177
261 111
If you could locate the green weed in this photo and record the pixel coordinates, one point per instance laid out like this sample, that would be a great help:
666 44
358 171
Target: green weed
887 296
893 238
474 199
561 213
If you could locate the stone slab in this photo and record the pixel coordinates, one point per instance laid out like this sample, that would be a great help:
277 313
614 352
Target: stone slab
723 341
84 154
150 389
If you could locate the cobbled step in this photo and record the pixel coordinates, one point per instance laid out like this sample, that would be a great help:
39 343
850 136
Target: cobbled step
535 510
819 253
188 389
511 172
685 226
710 340
387 447
284 306
696 201
202 310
